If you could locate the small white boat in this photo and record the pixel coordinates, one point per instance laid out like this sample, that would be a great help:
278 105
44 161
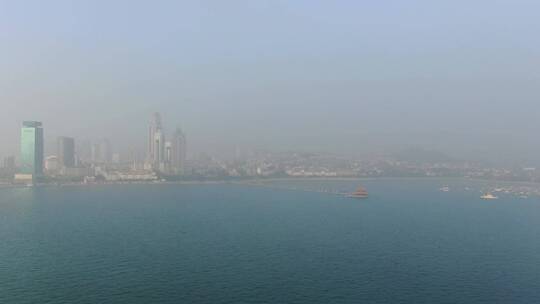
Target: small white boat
488 196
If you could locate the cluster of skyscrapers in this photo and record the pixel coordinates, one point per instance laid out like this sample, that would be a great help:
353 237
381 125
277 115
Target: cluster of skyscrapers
164 156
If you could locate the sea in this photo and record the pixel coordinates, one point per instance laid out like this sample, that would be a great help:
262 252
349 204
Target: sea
279 242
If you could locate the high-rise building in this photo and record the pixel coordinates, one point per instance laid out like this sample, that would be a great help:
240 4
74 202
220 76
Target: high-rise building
159 148
31 150
101 152
66 152
94 153
168 152
116 158
9 162
105 151
166 156
156 142
178 152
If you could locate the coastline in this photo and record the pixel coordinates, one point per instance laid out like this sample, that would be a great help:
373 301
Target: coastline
258 181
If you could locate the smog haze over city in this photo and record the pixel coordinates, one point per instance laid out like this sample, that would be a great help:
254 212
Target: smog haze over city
347 77
300 151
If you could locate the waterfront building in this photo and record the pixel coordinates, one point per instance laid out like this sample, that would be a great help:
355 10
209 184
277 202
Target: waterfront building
75 172
156 142
94 153
105 151
156 154
101 152
168 156
9 162
178 152
116 158
31 151
52 164
66 152
159 148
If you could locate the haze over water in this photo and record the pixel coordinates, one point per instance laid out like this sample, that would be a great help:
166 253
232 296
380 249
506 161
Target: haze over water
408 243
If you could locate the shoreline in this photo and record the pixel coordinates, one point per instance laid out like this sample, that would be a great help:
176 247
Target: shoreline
256 181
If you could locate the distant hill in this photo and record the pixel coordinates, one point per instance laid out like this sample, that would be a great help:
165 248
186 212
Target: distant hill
420 155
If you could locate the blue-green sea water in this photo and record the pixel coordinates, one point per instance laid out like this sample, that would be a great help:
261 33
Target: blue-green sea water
408 243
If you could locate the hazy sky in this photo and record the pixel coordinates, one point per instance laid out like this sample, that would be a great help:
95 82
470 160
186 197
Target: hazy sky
459 76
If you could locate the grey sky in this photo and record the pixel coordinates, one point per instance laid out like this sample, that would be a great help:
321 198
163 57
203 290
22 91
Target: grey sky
346 76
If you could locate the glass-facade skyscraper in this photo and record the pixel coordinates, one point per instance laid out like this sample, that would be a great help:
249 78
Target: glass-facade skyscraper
156 142
66 152
32 149
178 157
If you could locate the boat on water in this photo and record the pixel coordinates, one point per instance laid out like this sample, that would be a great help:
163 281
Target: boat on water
359 193
489 196
445 189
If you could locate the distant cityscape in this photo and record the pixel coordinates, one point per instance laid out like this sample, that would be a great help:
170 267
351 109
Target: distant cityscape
165 159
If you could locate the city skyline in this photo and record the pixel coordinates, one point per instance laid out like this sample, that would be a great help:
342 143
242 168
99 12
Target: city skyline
366 77
164 155
165 159
100 148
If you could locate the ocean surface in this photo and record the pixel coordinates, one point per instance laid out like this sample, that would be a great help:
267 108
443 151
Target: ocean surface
226 243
